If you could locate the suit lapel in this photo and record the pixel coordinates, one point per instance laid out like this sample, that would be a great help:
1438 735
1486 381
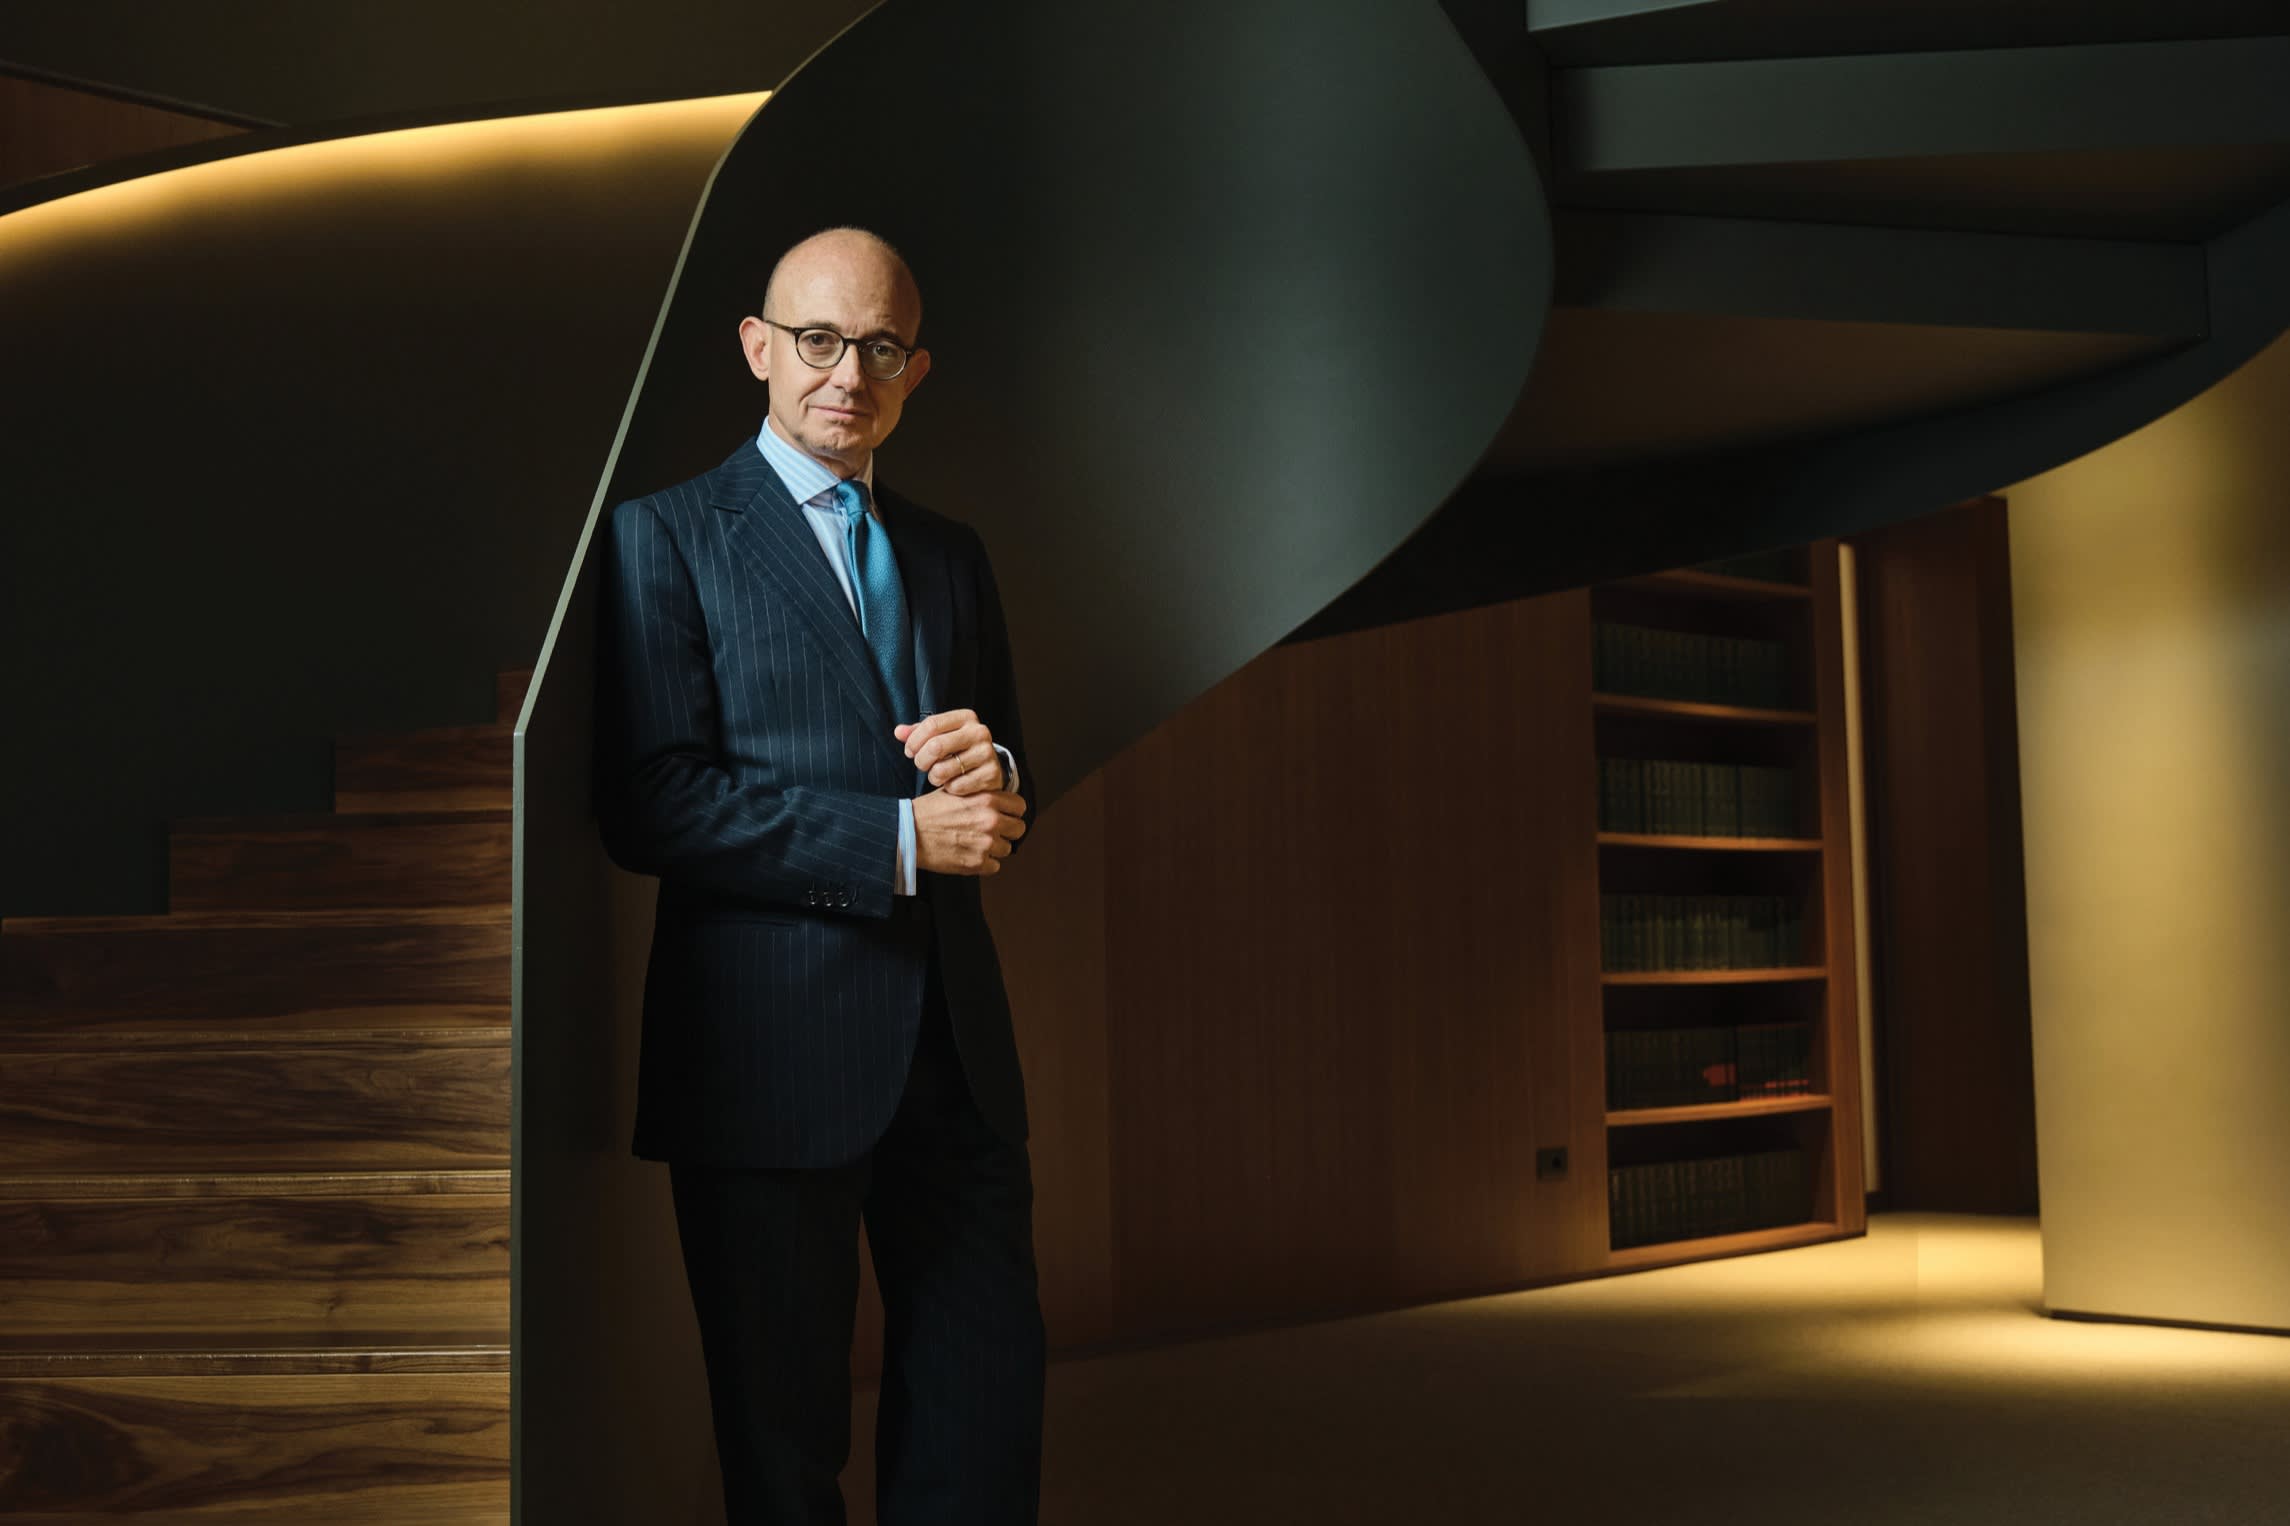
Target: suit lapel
770 530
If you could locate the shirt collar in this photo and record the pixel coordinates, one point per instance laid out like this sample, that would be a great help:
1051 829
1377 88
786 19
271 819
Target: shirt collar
803 475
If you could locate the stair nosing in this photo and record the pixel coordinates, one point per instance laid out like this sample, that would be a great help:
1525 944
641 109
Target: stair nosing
305 821
126 1186
274 1361
211 1039
298 918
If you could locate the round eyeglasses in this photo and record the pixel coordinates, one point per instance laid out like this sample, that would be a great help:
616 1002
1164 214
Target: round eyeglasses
822 349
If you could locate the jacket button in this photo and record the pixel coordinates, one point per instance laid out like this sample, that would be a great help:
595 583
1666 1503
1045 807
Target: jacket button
810 897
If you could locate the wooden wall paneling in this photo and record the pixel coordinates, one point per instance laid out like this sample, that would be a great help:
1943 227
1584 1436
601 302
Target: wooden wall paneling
1249 1107
1838 1191
1048 911
1351 940
47 129
1954 1033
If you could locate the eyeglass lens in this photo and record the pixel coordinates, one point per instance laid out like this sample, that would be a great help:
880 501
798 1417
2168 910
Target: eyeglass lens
881 359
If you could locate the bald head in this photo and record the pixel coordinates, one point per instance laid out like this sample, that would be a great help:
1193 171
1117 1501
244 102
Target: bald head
850 283
845 257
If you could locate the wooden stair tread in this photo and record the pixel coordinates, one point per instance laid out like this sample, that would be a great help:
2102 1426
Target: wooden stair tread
320 821
435 1100
330 1267
443 768
238 1437
359 967
90 1185
387 858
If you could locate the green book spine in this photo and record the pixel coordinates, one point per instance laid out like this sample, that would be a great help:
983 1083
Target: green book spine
1722 782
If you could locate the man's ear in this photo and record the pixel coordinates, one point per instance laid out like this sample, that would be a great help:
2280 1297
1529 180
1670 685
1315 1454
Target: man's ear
917 367
755 344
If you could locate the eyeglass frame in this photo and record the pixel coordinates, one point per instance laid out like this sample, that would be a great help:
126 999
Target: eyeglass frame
906 351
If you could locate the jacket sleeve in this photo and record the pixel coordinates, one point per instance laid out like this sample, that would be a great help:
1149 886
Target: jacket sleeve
998 684
665 804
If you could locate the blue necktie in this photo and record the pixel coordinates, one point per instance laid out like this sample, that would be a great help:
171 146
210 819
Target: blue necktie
882 601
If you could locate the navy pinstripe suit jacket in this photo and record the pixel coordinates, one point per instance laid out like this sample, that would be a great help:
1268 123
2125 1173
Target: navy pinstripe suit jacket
744 754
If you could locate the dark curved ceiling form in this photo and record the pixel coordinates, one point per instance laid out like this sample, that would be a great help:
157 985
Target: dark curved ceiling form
1824 267
1507 537
265 62
1222 305
1816 267
1576 32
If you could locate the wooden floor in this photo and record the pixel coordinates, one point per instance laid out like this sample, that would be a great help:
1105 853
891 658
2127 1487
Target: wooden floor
1904 1378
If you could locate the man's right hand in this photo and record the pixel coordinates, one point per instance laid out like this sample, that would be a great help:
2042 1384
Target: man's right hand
967 834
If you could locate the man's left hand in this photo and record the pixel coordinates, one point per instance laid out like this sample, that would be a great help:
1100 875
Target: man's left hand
955 750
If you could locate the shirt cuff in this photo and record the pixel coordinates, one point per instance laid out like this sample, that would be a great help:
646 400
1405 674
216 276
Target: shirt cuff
902 881
1009 767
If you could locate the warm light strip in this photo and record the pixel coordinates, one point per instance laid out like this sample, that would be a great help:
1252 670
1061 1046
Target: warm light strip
146 204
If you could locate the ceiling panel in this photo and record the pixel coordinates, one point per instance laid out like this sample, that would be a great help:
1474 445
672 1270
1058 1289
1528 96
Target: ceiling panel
1614 386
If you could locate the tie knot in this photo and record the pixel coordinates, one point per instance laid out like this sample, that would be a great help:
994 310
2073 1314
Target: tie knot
851 499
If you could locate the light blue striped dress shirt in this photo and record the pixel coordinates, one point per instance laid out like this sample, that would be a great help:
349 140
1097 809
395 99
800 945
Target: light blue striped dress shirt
810 484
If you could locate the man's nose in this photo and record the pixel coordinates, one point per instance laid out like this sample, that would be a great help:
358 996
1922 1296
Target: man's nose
847 373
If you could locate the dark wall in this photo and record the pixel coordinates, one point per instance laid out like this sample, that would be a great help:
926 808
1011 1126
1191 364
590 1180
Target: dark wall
298 445
1947 885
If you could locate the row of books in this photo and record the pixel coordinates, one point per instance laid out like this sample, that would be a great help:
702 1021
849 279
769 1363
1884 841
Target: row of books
1639 932
1687 1199
1696 799
1675 1067
1662 664
1765 566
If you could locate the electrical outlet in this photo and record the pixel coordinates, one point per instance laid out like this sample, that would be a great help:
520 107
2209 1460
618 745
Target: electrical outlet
1550 1165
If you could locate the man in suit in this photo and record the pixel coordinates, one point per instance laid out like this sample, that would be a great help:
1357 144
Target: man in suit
807 727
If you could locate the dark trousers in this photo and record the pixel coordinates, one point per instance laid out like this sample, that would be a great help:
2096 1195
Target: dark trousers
773 1261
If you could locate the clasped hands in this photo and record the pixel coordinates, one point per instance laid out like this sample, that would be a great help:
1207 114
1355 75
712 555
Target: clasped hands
966 824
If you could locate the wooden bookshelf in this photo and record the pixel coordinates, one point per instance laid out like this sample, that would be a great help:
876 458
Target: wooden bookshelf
1713 977
1711 844
1697 1112
1702 879
1639 1258
1718 585
1699 710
